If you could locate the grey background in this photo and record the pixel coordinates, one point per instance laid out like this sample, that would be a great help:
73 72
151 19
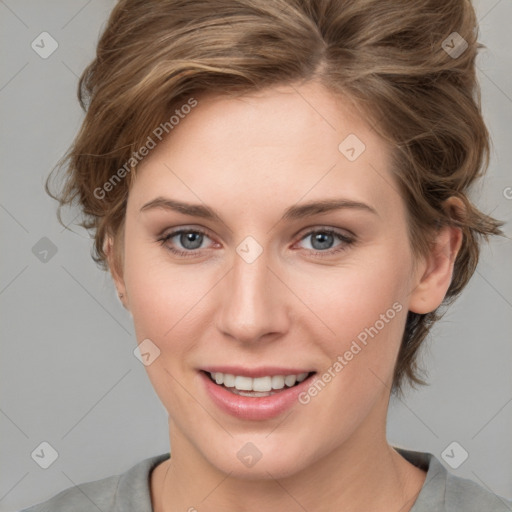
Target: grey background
68 373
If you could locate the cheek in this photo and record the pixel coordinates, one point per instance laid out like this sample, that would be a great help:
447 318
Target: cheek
165 303
171 306
161 293
352 297
365 307
360 312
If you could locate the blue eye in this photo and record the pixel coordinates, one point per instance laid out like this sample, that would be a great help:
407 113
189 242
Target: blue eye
321 241
190 239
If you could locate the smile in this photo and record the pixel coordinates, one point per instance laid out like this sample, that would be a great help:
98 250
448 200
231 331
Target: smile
257 397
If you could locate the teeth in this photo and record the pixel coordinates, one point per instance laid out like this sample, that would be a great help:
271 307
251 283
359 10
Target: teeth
277 382
243 383
302 376
289 380
262 384
258 384
229 380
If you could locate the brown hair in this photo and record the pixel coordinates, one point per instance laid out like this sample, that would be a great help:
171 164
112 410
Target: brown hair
399 61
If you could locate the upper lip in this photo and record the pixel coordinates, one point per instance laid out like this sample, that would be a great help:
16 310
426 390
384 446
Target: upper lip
261 371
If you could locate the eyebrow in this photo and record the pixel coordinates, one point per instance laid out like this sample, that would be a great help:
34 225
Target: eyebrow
292 213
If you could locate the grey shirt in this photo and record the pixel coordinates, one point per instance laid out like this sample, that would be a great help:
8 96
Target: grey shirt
130 491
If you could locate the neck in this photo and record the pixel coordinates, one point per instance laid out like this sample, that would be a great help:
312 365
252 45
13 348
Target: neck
362 474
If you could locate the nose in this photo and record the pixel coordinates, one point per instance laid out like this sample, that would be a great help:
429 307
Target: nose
253 302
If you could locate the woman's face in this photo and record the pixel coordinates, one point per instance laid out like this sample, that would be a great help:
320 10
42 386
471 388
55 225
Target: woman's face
271 285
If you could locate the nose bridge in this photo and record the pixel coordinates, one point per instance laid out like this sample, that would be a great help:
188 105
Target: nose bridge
252 305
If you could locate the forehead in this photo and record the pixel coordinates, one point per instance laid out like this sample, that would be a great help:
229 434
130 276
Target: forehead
270 148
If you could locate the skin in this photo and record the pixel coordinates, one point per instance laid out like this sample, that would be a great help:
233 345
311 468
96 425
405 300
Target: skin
250 158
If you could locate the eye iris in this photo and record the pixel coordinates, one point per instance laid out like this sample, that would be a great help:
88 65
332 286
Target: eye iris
324 239
191 237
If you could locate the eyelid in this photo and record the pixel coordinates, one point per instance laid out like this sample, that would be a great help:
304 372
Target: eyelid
330 229
175 230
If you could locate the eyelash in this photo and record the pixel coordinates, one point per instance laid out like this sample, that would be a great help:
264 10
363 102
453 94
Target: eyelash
346 241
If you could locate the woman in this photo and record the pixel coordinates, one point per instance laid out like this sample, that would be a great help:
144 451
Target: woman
279 190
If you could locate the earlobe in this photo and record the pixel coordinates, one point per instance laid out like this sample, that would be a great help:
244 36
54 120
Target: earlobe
115 269
437 270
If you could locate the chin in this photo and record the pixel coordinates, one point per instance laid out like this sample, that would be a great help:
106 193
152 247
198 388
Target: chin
258 459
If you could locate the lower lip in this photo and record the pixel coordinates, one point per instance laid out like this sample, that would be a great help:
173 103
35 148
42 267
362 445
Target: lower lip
253 408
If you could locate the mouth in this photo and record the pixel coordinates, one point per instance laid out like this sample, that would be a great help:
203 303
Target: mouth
257 387
262 395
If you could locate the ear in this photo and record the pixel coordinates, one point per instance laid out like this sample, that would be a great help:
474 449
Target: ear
436 270
114 261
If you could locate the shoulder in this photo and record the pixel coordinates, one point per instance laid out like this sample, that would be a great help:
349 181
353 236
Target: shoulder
444 492
124 492
467 495
84 497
